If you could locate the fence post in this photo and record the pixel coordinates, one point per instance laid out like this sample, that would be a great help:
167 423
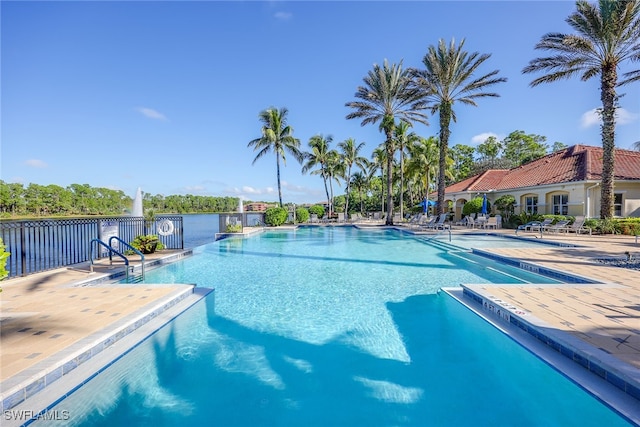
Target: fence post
23 251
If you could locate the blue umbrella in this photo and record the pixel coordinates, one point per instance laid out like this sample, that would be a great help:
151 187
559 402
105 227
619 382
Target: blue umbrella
484 204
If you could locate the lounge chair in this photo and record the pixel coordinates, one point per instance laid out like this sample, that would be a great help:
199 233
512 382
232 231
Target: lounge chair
340 216
313 219
578 226
492 222
541 225
558 226
439 224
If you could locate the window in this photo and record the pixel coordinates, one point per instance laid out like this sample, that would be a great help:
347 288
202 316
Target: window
617 204
531 205
560 204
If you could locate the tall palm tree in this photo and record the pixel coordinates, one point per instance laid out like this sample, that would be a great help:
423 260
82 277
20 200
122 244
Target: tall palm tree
388 95
319 157
607 35
350 151
277 136
449 78
403 139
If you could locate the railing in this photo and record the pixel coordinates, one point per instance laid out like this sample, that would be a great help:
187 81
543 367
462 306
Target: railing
131 248
41 245
111 252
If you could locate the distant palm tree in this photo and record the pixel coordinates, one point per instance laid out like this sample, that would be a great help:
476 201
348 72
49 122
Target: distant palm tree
360 182
350 152
423 161
379 160
388 95
277 136
319 157
449 78
404 138
607 35
636 145
335 170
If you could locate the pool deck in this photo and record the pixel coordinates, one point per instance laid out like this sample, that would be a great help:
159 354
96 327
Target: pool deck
49 320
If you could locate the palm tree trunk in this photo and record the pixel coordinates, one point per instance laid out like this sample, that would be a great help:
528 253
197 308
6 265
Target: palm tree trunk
346 201
389 147
326 190
608 97
278 175
401 180
445 118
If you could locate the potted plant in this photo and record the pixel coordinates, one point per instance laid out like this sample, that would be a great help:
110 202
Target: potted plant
147 244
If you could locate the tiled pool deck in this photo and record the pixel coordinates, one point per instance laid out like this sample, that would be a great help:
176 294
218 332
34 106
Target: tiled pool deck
49 322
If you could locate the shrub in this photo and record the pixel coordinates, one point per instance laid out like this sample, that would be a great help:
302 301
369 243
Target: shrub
318 210
147 244
3 261
302 215
234 228
505 204
475 206
275 216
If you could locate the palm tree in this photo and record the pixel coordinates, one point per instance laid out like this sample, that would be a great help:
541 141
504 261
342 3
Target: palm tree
388 95
379 161
447 79
335 169
319 156
403 139
360 182
607 35
277 136
351 156
636 146
423 161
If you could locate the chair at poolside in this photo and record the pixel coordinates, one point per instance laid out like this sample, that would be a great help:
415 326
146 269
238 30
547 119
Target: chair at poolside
578 226
340 216
540 225
425 221
491 222
558 226
439 224
313 219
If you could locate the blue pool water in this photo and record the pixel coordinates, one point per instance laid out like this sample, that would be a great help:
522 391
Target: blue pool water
331 327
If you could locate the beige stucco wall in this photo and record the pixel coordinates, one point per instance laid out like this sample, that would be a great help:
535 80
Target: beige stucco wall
584 198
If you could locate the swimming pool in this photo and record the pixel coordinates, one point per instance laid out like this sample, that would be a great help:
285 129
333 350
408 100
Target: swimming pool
331 327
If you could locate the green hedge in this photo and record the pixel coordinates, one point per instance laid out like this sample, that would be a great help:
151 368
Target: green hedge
275 216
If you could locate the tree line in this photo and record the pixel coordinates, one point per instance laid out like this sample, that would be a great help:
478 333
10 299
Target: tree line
16 200
605 35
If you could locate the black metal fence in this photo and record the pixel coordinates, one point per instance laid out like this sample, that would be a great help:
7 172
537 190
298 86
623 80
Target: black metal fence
40 245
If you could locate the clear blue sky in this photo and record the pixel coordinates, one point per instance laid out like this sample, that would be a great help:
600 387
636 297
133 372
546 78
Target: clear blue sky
165 95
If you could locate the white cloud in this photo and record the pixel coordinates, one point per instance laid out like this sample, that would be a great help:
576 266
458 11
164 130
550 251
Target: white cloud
592 118
481 138
151 113
35 163
624 117
195 189
283 16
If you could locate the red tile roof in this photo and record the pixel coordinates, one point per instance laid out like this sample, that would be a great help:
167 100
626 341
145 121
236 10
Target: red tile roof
575 163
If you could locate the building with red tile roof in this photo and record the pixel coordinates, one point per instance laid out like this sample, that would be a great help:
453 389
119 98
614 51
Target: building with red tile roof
566 182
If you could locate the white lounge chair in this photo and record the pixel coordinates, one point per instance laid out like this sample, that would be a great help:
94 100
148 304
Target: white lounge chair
577 226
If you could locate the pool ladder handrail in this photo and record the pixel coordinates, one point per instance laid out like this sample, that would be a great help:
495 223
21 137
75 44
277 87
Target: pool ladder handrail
112 251
448 228
128 246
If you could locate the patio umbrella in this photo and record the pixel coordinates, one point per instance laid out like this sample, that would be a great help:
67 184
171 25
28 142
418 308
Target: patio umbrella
484 204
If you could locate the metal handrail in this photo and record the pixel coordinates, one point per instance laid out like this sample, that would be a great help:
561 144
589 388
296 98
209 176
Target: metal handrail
131 248
111 251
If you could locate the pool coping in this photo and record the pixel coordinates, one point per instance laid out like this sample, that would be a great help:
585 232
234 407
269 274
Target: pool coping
560 345
26 384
